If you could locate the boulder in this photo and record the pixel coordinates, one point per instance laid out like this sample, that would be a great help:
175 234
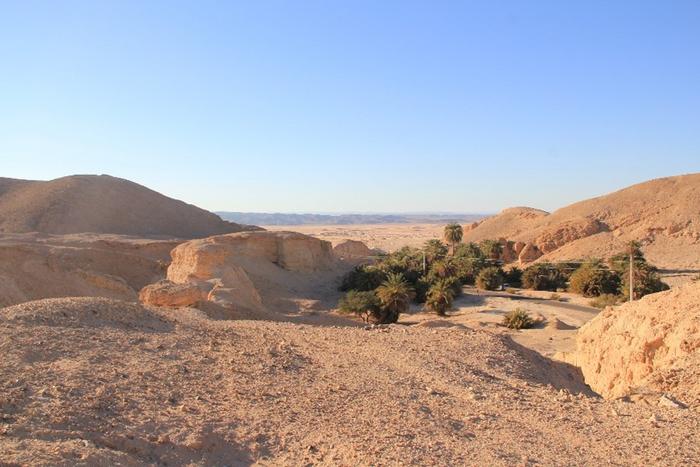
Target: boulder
651 345
169 294
518 247
529 253
351 250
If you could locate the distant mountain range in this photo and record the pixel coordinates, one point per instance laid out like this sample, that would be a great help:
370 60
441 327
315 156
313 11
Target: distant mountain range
261 218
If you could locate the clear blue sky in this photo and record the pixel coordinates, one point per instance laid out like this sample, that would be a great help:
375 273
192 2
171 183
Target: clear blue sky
353 105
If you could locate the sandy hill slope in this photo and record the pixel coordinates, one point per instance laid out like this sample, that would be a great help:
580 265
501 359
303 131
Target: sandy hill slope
102 382
101 204
663 214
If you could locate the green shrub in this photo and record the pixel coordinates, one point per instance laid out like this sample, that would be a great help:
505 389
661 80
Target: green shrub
491 249
420 289
440 297
490 278
363 278
646 281
468 250
513 277
364 304
593 279
543 276
518 319
395 295
434 250
605 300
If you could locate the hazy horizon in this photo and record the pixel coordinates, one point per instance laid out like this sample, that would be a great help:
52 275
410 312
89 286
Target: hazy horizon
370 106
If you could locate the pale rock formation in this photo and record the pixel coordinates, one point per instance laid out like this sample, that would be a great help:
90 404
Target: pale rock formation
529 253
566 232
254 270
649 345
351 250
169 294
508 254
36 266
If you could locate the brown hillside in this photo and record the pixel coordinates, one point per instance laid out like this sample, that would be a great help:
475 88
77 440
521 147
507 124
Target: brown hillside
102 204
663 214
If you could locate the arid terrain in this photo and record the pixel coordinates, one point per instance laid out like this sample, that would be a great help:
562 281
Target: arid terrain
386 237
225 348
95 381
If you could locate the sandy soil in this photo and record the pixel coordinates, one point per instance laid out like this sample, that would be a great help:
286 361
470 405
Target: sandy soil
388 237
559 315
96 381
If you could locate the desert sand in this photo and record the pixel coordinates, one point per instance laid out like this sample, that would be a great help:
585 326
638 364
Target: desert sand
386 237
95 381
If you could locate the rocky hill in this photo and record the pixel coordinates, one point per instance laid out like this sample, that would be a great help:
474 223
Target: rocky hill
102 204
663 214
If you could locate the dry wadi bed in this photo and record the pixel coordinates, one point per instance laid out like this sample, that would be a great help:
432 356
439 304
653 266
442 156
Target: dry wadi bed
99 381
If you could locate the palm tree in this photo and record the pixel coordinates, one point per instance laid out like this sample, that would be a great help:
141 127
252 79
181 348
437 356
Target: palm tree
395 294
440 297
434 250
453 235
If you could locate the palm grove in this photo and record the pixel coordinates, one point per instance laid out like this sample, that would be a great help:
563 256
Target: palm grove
434 275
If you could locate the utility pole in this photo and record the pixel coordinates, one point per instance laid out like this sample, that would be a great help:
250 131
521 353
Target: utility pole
631 273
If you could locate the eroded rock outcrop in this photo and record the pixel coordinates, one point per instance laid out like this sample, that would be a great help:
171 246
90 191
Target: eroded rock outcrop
258 271
567 232
352 250
529 253
169 294
651 345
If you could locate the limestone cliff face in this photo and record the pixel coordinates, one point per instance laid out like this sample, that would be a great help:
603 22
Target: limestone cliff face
649 345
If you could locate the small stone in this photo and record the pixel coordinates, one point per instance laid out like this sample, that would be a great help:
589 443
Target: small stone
665 401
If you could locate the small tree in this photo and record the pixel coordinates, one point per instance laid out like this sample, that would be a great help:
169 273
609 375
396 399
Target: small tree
395 294
364 304
434 250
490 278
491 249
468 250
453 235
513 277
543 276
593 279
363 278
440 297
646 281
